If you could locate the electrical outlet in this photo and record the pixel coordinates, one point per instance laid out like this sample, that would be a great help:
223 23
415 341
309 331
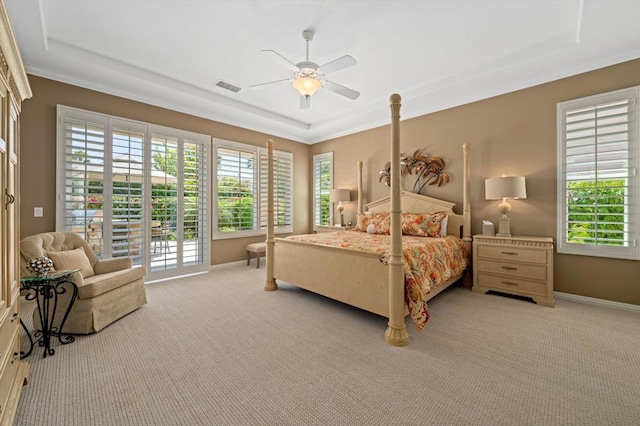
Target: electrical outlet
38 211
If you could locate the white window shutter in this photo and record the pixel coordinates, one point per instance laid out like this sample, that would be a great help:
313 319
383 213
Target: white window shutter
322 184
81 159
236 190
597 180
282 190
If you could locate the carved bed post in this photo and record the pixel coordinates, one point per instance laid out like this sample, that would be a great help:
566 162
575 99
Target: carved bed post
270 284
396 333
360 200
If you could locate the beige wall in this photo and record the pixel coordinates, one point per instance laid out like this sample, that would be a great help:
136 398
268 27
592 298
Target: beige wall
38 153
509 134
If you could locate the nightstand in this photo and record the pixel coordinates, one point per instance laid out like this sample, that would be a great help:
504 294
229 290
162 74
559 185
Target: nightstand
516 265
328 228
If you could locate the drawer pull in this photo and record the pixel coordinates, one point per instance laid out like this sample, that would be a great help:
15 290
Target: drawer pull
509 268
509 283
512 253
15 317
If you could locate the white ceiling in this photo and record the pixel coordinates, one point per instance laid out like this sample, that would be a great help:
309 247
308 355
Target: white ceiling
436 54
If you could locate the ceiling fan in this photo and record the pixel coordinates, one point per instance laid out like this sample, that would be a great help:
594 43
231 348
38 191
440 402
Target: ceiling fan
307 77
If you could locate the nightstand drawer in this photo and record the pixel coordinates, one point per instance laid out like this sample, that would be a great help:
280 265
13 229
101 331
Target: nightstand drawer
513 253
533 272
512 284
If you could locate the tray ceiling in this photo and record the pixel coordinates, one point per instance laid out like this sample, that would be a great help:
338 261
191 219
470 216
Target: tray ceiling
436 54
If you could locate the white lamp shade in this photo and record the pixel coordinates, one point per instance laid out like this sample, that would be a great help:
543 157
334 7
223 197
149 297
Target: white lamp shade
498 188
340 195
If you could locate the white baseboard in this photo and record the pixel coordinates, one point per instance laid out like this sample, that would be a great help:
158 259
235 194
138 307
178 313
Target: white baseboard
599 302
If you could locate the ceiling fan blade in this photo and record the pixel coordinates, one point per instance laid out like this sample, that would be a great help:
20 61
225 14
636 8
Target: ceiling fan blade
281 59
261 85
338 64
341 90
305 102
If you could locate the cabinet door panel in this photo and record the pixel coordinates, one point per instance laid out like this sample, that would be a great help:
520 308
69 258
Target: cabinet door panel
11 211
4 230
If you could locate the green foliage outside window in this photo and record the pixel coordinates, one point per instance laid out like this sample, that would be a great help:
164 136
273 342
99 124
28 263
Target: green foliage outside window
325 209
596 214
164 197
235 205
324 187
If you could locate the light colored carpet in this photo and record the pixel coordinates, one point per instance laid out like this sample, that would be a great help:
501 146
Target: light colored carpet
216 349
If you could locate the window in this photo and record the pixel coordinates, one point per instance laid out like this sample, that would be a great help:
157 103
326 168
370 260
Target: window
322 184
598 203
240 192
134 190
282 190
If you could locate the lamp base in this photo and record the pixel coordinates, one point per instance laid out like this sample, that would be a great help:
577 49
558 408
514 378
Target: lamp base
504 229
340 210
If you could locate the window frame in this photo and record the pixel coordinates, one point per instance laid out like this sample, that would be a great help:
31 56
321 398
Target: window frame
316 158
259 153
630 251
279 157
109 125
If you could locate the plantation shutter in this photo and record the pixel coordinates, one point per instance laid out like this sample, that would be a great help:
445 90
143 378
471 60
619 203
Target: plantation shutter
121 181
196 204
236 189
126 191
282 190
322 184
82 180
598 182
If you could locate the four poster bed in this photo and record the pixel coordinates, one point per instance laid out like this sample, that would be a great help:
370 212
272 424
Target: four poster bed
358 268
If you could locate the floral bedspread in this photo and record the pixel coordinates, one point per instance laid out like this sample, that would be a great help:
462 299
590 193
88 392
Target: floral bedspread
428 262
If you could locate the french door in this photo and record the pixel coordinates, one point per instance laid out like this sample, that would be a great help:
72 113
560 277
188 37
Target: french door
179 207
134 190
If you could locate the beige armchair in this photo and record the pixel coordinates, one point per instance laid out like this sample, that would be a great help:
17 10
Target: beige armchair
107 289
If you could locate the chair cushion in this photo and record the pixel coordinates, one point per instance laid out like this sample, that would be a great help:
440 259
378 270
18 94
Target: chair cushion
72 259
99 284
257 247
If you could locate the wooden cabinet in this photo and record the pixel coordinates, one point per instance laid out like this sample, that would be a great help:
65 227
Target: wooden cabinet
14 88
517 265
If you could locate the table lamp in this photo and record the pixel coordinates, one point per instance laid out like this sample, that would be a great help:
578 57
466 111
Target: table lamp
502 188
340 196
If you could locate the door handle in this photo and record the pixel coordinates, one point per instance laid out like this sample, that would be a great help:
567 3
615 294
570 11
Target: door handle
9 198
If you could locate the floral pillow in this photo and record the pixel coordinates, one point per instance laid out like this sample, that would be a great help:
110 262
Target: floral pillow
423 224
377 223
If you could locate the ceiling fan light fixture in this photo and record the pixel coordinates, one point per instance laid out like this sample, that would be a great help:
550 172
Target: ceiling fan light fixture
306 86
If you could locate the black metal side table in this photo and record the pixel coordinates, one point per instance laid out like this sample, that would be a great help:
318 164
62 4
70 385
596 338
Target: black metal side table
45 291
